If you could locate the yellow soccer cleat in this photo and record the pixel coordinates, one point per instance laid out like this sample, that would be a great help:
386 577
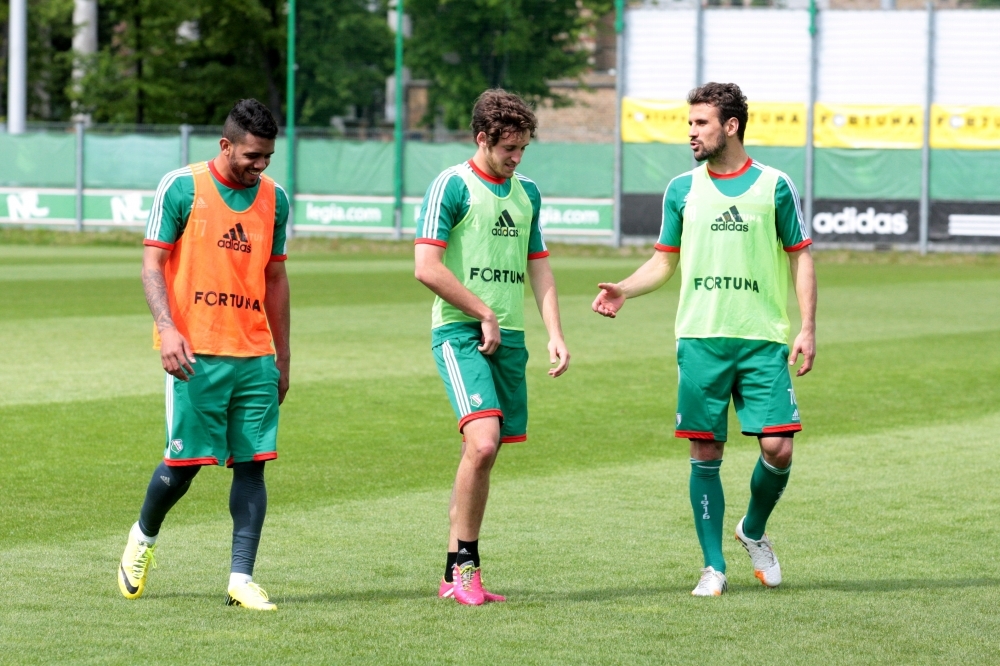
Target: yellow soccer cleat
250 595
136 562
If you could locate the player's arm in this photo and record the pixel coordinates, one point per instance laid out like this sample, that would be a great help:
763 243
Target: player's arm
276 307
661 266
175 350
804 278
543 285
649 277
791 227
431 271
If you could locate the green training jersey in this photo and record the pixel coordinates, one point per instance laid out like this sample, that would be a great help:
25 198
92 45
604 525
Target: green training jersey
732 230
174 201
490 229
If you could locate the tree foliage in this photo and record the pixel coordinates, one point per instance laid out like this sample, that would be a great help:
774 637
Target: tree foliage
50 61
187 62
466 46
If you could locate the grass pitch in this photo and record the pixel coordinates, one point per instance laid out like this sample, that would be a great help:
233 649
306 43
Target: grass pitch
887 534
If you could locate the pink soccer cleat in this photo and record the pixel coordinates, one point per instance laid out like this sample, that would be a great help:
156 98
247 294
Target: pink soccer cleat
447 590
468 585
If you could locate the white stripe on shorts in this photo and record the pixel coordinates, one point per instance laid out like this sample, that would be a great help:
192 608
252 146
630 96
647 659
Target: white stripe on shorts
457 385
170 409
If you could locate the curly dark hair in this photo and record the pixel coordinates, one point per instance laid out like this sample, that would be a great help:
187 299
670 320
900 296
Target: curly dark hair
249 117
727 98
498 113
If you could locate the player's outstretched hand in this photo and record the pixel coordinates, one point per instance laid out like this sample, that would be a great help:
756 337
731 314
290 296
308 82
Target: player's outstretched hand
176 354
610 300
558 354
491 335
805 344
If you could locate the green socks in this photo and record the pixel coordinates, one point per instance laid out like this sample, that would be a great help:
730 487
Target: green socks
766 486
709 506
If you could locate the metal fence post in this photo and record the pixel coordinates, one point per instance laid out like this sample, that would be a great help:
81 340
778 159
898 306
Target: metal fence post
80 124
616 224
810 117
185 145
925 152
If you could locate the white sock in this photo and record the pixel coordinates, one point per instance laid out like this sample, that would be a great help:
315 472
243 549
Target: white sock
239 579
137 534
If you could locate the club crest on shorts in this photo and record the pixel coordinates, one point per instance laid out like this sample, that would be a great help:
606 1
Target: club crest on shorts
176 445
678 418
476 400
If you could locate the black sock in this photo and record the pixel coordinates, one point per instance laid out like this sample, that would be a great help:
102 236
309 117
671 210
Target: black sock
468 551
248 506
166 487
449 563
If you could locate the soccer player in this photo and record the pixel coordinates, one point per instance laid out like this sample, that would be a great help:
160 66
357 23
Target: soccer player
478 238
731 223
214 275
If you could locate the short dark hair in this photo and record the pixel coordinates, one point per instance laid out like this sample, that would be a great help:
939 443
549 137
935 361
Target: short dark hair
249 117
727 98
498 113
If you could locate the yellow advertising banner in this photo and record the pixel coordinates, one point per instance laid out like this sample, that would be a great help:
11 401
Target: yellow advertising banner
965 127
864 126
776 124
660 121
654 121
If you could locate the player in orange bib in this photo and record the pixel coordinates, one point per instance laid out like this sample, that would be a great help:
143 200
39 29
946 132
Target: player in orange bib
214 275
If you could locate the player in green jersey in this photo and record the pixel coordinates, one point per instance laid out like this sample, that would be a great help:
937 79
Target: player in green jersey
731 223
478 238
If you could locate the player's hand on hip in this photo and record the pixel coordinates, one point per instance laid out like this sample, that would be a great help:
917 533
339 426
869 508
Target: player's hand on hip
558 354
283 368
805 344
491 335
610 300
176 354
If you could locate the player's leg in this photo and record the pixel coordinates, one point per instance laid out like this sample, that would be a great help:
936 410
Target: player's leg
469 384
195 436
252 437
704 386
767 409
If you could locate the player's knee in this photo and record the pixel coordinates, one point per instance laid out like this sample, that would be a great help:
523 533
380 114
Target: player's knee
777 451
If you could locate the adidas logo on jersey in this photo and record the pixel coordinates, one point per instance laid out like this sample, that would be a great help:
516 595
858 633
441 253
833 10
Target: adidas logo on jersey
505 226
236 240
730 220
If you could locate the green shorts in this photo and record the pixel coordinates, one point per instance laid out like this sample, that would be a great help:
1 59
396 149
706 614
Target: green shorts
480 386
226 413
754 372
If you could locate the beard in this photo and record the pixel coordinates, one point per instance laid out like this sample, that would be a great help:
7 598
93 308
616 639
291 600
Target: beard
710 152
242 177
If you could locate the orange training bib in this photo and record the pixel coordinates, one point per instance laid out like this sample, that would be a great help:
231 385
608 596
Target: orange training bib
215 273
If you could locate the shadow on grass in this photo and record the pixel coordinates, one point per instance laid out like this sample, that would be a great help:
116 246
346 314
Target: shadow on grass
895 585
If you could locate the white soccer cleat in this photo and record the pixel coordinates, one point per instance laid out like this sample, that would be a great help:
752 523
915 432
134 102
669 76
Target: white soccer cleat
711 584
765 562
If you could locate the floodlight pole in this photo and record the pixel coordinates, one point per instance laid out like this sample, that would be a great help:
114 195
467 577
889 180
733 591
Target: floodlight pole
17 66
397 183
925 152
290 119
616 233
810 118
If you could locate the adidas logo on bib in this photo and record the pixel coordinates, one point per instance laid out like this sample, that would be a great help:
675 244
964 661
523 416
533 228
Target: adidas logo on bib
505 226
236 240
730 220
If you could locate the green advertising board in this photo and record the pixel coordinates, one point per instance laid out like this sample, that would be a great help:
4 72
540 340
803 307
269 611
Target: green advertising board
125 208
327 213
314 213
